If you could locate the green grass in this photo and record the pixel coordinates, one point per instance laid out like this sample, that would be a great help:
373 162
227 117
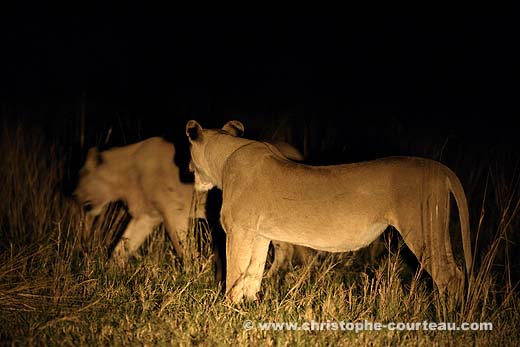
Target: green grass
56 290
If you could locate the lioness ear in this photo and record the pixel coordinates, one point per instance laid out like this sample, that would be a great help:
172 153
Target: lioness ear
234 127
193 130
94 157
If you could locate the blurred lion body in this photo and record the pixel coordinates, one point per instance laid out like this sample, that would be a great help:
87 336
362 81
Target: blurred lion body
144 176
330 208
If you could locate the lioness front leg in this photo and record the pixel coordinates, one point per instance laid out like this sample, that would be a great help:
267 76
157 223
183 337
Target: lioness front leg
176 218
246 254
133 237
255 270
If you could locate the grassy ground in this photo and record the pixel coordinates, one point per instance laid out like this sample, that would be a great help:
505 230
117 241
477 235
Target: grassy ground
56 290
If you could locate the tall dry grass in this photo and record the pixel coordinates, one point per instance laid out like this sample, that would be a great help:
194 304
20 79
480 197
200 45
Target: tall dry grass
56 290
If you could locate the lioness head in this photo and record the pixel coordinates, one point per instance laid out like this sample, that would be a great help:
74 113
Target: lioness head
95 187
199 138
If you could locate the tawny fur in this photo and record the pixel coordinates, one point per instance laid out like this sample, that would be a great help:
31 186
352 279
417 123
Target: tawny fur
330 208
144 176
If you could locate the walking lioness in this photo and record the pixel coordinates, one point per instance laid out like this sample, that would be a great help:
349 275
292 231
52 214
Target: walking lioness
331 208
144 176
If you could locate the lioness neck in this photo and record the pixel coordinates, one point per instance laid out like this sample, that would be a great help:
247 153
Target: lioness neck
219 149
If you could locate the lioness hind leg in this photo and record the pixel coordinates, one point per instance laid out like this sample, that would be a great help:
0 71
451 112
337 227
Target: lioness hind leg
429 239
283 253
133 237
246 254
445 273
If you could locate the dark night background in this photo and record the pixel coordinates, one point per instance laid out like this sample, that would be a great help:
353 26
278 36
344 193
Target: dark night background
339 88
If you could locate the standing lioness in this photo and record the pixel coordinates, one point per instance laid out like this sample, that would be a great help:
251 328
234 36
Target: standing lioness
331 208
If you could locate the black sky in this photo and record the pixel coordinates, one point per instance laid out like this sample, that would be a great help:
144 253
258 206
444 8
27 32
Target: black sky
425 72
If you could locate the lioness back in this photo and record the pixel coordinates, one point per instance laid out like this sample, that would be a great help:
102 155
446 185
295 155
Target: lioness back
297 199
